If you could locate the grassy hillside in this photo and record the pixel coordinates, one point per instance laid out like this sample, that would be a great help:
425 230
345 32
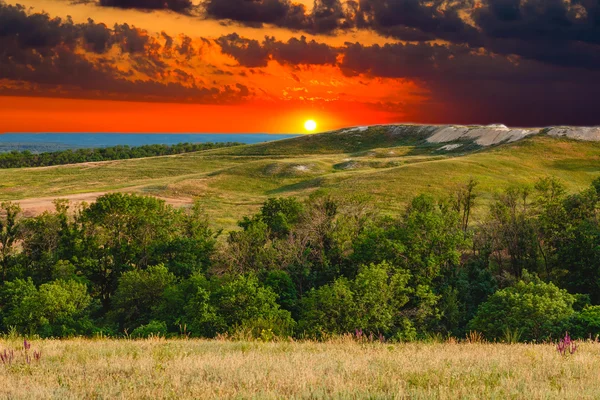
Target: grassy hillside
193 369
391 167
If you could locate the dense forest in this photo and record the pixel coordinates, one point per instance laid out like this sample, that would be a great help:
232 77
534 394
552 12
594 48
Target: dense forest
21 159
527 270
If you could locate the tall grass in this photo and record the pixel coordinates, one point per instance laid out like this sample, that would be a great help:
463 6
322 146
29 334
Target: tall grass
340 368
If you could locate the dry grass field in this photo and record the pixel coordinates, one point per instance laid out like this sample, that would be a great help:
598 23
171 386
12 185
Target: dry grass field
340 369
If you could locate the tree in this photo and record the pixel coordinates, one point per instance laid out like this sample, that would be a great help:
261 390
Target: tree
512 230
242 302
119 233
192 246
280 215
9 234
138 295
534 309
374 302
57 308
464 202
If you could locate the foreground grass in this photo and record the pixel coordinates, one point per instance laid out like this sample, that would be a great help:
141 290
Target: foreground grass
345 369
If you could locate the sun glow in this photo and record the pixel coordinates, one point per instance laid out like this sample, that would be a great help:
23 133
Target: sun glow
310 125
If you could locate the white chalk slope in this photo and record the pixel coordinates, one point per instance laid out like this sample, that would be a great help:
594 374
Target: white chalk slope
496 134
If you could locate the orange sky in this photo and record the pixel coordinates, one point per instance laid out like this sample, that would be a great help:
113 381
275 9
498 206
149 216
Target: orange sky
281 96
39 114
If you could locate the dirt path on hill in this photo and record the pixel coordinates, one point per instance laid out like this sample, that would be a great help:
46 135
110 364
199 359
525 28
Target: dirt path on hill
35 206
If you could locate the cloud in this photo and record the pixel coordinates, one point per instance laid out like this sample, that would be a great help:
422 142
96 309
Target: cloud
325 17
559 32
180 6
247 52
417 19
301 52
503 61
252 53
467 86
53 56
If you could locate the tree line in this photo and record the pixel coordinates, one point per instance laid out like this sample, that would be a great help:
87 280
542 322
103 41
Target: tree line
23 159
528 270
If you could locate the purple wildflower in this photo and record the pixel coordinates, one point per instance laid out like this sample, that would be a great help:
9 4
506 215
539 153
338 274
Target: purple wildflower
566 345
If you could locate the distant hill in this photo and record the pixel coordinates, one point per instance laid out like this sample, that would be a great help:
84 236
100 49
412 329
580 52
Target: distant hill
455 138
389 163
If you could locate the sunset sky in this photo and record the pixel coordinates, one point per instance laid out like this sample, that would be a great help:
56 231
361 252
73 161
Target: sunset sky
269 65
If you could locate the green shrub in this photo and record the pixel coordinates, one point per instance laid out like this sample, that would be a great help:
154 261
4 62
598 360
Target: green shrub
535 310
58 308
372 303
225 305
138 295
586 323
153 328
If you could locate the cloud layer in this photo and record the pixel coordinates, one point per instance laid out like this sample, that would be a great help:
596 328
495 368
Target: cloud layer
521 62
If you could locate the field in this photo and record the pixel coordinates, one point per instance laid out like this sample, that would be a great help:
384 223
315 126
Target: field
391 169
344 369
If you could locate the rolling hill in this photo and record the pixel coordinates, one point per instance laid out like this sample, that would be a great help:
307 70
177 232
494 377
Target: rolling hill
391 163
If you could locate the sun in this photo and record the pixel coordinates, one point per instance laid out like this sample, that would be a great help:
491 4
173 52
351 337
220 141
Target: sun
310 125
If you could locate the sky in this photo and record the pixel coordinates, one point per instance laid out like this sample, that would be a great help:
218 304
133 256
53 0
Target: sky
270 65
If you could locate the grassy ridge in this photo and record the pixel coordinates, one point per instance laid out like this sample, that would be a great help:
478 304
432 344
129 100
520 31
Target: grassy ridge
391 168
220 369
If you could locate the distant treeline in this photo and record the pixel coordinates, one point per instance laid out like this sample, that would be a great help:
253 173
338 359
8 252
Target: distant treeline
22 159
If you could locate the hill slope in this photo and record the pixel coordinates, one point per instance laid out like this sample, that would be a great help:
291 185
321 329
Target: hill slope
391 163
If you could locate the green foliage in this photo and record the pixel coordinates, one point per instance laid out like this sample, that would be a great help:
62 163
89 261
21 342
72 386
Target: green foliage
189 249
373 302
138 295
282 284
243 301
153 328
535 309
328 265
9 234
585 324
280 215
57 308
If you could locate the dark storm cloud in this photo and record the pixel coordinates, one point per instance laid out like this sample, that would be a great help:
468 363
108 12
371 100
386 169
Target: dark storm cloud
547 20
401 19
417 19
476 87
561 32
252 53
247 52
300 51
45 52
326 16
558 32
180 6
257 12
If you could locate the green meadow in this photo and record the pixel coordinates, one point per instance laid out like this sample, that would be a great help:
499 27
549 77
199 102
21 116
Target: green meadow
233 182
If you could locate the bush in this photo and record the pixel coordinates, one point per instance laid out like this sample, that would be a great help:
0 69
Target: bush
57 308
535 310
228 304
372 302
243 301
154 328
586 323
138 295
